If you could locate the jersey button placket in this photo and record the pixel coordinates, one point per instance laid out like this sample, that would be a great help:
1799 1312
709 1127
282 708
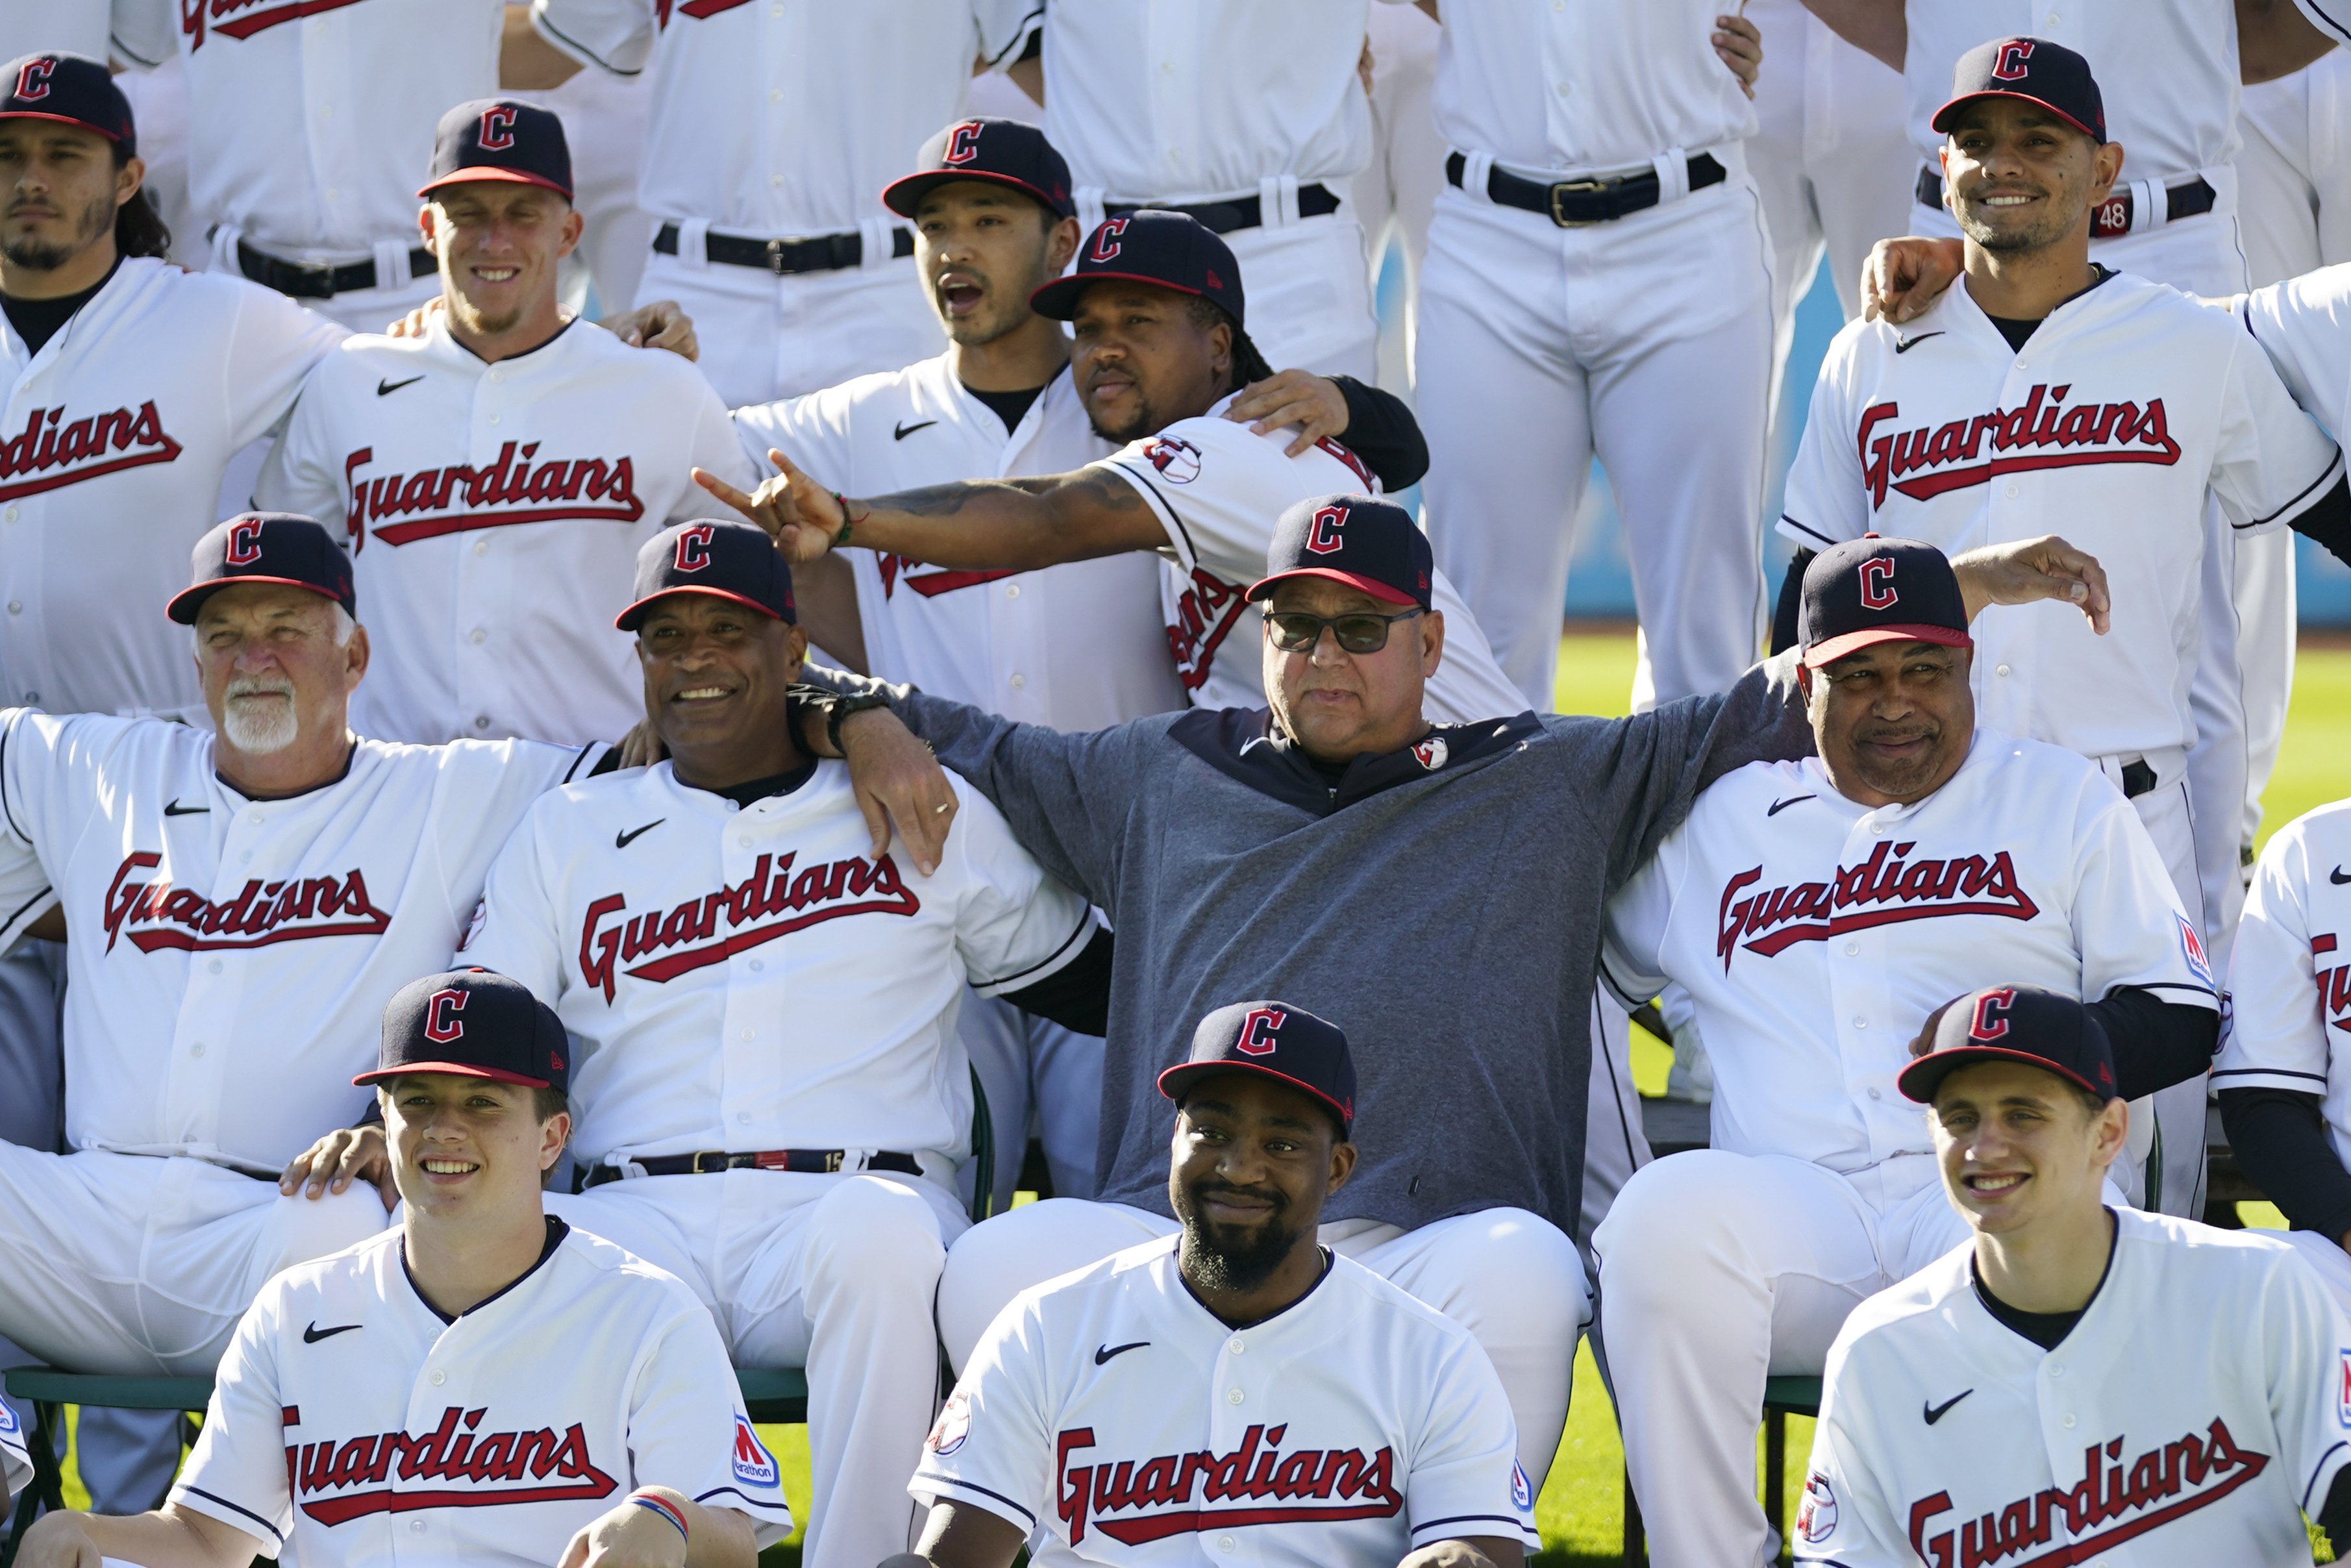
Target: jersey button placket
1859 991
748 1093
485 584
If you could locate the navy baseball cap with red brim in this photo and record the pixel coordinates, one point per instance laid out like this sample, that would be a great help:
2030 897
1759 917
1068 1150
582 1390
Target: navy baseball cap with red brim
714 556
69 89
281 547
473 1023
1370 544
500 139
2031 70
1273 1040
1168 250
1874 589
997 151
2028 1024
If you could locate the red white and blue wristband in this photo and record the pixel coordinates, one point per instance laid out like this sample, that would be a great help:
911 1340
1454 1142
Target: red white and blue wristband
663 1506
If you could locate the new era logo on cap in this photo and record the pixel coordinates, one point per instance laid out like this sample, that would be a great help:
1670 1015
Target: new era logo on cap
1371 544
265 547
1283 1043
500 139
72 89
1873 589
998 151
1168 250
725 559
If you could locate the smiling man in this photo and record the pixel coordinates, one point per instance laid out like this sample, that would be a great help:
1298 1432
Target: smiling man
484 1377
773 1100
1248 1386
2074 1382
495 475
1819 912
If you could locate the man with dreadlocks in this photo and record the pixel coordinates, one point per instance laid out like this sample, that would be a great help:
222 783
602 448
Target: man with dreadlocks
1157 353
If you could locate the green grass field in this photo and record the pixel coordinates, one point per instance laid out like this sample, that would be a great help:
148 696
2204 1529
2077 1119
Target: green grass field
1581 1510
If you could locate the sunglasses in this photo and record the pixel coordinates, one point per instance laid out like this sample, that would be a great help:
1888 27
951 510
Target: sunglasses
1294 632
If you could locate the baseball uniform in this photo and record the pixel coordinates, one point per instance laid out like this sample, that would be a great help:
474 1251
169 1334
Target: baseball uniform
1250 117
494 513
604 118
308 128
15 1464
1633 320
772 128
1350 1429
750 981
2295 207
2143 1437
1815 935
227 976
357 1424
1396 192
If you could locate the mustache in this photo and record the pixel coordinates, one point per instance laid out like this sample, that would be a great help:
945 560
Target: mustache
1897 732
1274 1197
259 686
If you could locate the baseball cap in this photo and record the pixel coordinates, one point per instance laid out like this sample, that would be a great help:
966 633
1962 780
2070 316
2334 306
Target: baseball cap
72 89
500 139
474 1024
1002 151
2033 70
1873 589
2029 1024
1365 543
1174 250
265 547
1279 1041
710 555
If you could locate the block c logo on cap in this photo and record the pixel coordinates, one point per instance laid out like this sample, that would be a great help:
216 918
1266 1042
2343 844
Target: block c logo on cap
1877 584
1259 1030
963 143
1324 536
33 81
1990 1021
497 129
244 543
694 547
442 1023
1105 246
2011 66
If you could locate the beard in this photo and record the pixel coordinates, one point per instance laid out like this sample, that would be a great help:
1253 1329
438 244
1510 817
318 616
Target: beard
257 715
45 256
2007 241
471 318
1146 422
1235 1259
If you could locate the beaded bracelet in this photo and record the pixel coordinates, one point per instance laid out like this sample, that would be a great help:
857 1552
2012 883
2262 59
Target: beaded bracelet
663 1506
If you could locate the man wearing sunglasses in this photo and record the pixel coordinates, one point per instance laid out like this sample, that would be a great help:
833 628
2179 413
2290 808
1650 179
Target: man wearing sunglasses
1437 890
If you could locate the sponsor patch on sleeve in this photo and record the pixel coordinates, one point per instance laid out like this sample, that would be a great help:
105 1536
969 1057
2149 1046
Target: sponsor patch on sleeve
2191 945
8 1426
2342 1388
1523 1491
952 1425
754 1466
1816 1515
1178 460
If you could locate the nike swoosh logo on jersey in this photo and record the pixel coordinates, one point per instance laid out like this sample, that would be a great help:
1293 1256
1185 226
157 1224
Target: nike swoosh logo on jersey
904 431
386 388
314 1333
2336 876
622 841
176 809
1780 806
1936 1412
1904 345
1106 1352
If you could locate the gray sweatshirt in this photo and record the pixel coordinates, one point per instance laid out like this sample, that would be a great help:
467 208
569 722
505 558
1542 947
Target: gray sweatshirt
1441 905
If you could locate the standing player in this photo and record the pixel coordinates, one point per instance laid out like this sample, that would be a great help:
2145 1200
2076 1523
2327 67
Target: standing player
1818 913
496 475
2294 183
515 1390
1159 353
2046 389
772 1100
2054 1391
239 908
1386 1438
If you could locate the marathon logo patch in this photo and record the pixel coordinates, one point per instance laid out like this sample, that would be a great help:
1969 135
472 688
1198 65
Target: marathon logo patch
159 914
2113 1503
1927 462
509 491
1206 613
2191 947
1523 1490
1163 1497
2334 984
754 1466
1884 890
49 454
930 583
2342 1388
259 16
337 1481
747 911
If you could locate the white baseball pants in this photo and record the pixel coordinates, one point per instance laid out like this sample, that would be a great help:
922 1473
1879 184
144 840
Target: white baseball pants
765 337
832 1274
1309 295
1647 340
1509 1276
138 1265
1614 1145
1032 1067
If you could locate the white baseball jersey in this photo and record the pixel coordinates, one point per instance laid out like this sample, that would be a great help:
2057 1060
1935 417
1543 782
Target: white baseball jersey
1112 1412
231 958
2145 1438
1217 488
352 1419
1814 934
78 27
751 980
1585 86
2305 324
311 124
1184 100
2330 17
112 447
787 117
2290 972
493 513
1075 647
16 1462
2188 124
2123 410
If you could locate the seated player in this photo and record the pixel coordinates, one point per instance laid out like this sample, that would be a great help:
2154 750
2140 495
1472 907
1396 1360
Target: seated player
772 1098
238 906
2075 1382
1819 912
1157 357
2285 1073
485 1384
1249 1391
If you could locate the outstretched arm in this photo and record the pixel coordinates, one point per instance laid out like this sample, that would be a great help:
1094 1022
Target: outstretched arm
1873 26
958 1535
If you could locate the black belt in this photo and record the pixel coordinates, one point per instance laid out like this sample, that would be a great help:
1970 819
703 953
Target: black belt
2139 779
786 258
1571 204
2111 218
316 281
1240 213
804 1162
